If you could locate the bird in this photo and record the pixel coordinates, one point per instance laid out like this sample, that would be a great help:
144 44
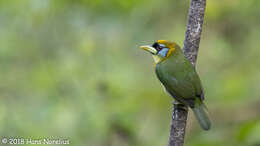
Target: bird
179 78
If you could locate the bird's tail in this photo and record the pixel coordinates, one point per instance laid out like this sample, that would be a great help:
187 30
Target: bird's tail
201 114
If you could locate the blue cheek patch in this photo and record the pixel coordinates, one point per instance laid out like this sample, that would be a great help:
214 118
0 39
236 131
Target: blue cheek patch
163 52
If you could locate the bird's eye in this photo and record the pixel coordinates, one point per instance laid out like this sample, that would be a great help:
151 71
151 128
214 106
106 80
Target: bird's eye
162 45
158 46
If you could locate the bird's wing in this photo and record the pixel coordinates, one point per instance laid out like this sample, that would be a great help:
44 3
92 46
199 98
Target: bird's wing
180 89
194 78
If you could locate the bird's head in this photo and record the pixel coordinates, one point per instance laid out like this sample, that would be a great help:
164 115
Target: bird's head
160 50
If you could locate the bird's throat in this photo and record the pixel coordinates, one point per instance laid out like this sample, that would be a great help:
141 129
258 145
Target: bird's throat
157 59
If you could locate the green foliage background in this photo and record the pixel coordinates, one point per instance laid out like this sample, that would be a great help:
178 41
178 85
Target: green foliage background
73 69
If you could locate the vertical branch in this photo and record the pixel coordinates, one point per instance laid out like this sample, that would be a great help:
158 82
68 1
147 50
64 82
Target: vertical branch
178 125
194 29
190 49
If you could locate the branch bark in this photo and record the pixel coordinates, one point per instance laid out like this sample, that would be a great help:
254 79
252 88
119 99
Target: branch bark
190 49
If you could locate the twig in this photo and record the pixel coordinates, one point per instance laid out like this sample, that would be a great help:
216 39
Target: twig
191 47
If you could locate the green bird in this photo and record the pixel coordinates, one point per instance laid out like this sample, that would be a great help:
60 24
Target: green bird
179 78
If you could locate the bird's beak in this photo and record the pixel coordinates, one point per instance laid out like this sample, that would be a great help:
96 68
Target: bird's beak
149 49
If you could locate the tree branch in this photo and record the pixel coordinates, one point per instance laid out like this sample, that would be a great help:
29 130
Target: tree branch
178 125
190 49
193 30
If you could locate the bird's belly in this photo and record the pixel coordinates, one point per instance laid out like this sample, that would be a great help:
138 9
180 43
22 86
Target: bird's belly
176 81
